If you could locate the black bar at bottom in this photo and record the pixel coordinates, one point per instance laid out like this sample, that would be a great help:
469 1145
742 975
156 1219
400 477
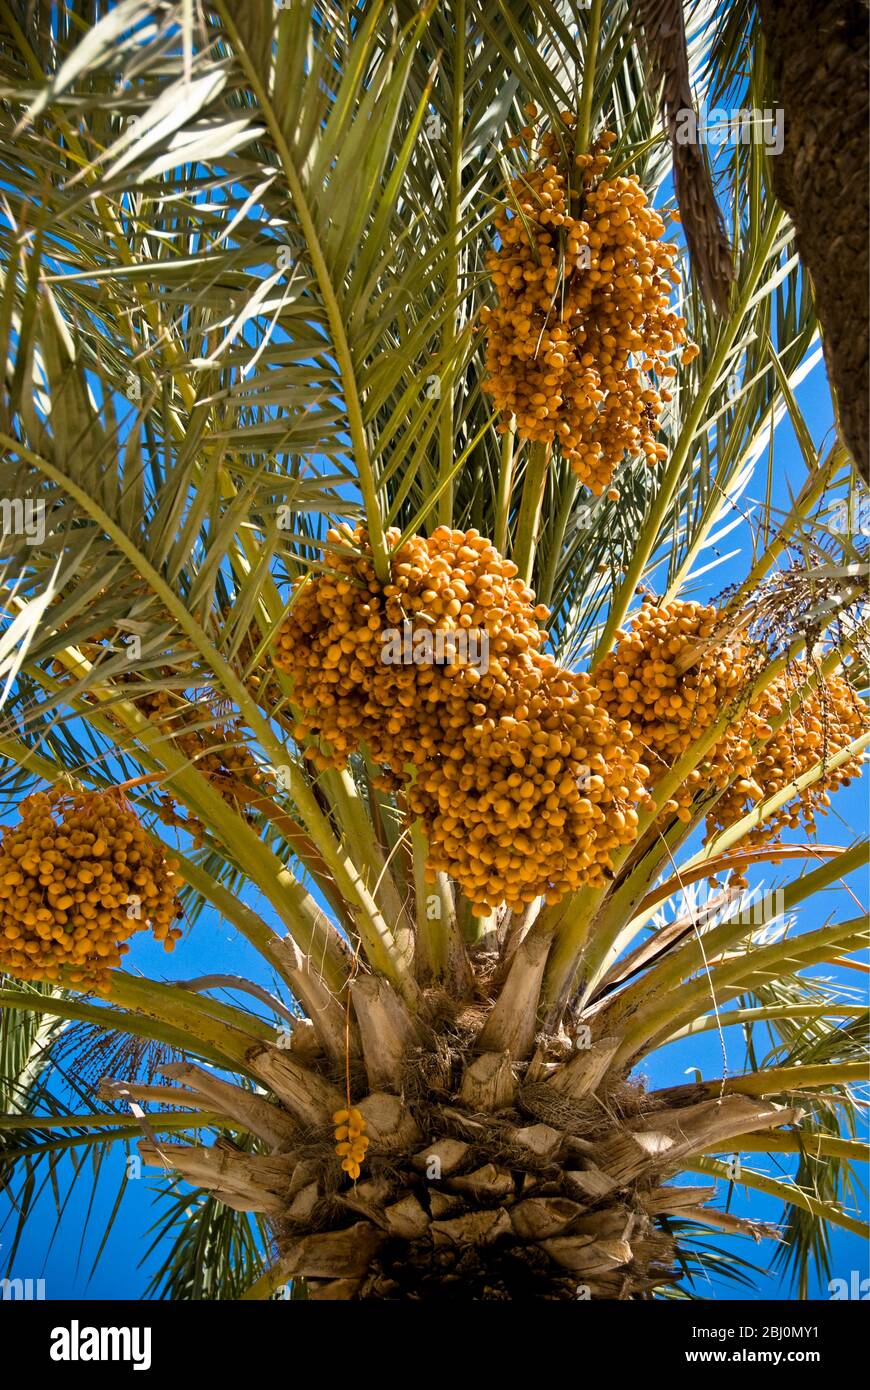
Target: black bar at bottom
217 1337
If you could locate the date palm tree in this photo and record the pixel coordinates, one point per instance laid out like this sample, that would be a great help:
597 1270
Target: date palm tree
243 257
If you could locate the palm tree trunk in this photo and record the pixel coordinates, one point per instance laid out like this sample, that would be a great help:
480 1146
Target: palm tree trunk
485 1180
818 56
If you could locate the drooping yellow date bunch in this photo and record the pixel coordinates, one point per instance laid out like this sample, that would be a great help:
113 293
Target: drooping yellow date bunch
537 792
823 721
583 324
78 876
351 1140
524 784
671 679
354 687
667 704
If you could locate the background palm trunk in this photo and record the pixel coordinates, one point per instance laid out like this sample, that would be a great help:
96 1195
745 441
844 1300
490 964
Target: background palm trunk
818 56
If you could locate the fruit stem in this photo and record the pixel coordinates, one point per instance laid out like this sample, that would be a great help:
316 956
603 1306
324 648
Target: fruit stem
547 581
505 488
529 519
590 55
446 438
138 781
